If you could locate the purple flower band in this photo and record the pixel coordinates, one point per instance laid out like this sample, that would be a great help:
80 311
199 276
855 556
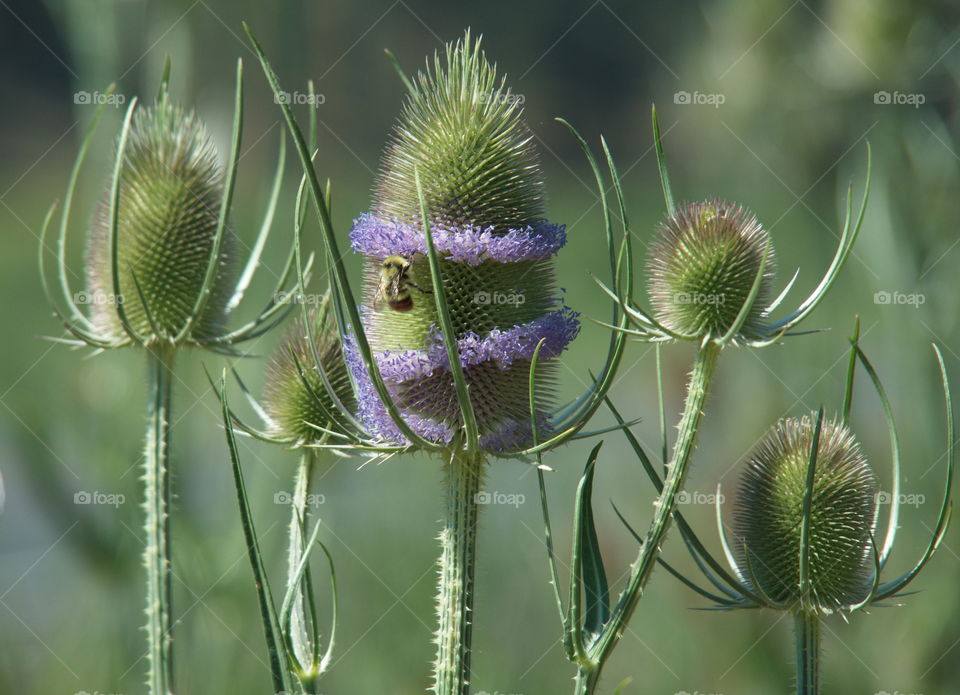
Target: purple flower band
507 434
557 329
374 236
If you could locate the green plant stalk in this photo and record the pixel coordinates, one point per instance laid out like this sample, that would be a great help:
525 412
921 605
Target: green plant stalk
300 622
701 375
458 542
156 553
807 636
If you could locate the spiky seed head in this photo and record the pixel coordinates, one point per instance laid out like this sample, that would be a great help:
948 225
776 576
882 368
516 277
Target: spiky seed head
171 192
768 514
702 266
297 403
461 128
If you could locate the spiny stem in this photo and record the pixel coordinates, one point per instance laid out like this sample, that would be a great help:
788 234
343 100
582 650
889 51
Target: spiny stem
156 554
300 627
807 638
697 390
458 541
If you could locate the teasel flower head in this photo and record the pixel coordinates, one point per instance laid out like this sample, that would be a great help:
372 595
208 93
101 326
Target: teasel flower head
702 267
171 190
710 272
769 527
462 160
162 266
307 382
803 531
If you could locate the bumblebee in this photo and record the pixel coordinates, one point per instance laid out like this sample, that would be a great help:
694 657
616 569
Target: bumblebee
395 284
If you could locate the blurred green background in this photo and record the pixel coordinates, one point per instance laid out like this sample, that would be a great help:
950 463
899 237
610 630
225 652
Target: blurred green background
802 87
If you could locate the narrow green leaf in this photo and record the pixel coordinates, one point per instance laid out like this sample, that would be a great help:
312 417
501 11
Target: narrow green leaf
661 163
271 627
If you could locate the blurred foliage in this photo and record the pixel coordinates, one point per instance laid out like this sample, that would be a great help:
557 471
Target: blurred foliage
798 81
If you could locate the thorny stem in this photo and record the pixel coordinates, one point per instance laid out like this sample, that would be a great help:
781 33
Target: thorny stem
156 553
458 541
807 637
697 390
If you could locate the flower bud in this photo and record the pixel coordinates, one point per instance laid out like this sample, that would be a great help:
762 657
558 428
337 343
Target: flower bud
768 517
298 402
702 267
171 192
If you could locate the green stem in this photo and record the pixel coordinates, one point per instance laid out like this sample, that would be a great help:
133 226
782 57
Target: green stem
587 680
300 620
807 637
458 541
697 390
156 553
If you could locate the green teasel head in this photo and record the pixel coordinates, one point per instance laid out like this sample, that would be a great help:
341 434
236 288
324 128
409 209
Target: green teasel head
710 272
461 130
161 260
702 268
298 402
803 523
768 516
462 159
170 198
